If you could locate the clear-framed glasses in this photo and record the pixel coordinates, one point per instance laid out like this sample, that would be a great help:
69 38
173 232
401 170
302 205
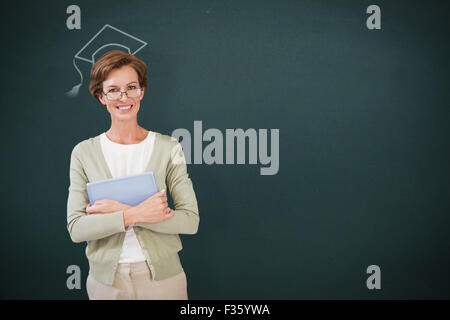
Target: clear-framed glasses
114 94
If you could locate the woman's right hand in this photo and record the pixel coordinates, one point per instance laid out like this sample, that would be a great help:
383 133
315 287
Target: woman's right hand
151 210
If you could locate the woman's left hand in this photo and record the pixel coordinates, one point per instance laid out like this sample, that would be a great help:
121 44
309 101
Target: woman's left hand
105 206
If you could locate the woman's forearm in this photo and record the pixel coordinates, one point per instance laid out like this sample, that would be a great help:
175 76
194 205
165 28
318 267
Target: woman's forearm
182 222
95 226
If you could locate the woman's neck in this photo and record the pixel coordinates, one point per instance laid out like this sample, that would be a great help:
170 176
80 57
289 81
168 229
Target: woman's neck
126 133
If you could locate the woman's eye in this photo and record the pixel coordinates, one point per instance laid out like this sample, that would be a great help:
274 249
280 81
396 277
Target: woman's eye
131 87
112 90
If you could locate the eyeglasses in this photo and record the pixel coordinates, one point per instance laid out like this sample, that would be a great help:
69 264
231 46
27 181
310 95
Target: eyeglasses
114 94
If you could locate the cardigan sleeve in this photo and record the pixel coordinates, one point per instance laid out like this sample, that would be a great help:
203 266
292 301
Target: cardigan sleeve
81 226
186 216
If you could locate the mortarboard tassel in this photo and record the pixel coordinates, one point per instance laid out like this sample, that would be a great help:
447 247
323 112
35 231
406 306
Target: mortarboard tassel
75 89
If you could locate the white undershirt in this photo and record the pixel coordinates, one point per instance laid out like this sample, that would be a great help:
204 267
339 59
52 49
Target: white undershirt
124 160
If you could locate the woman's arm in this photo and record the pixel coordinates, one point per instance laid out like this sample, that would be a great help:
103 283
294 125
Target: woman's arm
185 218
83 227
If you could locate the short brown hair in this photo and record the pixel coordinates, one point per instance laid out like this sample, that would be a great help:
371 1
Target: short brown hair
113 60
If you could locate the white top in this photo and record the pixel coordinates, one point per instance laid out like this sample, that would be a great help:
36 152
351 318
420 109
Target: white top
124 160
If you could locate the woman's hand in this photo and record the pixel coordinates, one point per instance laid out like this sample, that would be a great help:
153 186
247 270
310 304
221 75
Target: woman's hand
105 206
151 210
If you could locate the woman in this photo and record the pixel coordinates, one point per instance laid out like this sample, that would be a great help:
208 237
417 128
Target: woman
132 251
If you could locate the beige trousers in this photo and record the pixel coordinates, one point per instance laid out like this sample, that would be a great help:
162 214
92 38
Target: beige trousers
133 281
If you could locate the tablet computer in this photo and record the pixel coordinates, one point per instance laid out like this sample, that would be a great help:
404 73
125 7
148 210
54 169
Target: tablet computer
130 190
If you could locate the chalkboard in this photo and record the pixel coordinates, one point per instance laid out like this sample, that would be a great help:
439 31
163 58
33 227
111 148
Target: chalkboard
349 97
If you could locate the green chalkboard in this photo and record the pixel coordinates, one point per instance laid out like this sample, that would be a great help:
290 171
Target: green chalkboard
357 119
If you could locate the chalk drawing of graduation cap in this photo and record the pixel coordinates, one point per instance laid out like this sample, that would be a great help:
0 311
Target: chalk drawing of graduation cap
106 39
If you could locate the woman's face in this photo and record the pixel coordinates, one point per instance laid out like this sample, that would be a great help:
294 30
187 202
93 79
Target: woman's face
122 79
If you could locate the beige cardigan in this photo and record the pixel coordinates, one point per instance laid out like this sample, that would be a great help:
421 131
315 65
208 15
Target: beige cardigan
105 233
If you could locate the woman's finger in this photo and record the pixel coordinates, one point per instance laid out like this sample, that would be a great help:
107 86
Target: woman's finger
92 209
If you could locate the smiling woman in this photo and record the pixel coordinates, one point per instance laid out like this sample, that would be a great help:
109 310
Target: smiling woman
118 82
132 250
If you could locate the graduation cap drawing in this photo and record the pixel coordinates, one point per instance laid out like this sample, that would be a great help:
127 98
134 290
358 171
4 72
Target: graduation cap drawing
106 38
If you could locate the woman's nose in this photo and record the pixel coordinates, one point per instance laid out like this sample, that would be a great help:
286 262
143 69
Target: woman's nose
123 96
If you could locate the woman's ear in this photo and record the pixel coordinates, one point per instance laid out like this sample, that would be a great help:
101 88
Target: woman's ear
101 98
142 94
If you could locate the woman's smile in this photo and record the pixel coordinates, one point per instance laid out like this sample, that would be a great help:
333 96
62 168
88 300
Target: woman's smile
124 108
